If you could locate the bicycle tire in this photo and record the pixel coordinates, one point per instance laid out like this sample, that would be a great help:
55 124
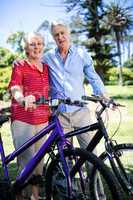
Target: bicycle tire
122 167
6 190
61 193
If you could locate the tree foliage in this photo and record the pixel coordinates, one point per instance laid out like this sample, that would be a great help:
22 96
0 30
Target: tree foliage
113 75
129 64
99 21
5 74
93 26
6 57
6 61
120 20
15 39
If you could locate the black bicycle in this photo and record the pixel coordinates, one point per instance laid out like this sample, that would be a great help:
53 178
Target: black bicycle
118 156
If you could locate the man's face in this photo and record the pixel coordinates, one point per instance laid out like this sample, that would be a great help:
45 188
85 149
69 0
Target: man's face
61 36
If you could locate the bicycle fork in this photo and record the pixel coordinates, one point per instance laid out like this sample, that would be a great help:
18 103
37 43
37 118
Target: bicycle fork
114 158
65 168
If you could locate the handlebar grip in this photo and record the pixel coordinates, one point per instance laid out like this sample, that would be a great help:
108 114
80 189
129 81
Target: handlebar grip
91 98
5 110
42 100
3 119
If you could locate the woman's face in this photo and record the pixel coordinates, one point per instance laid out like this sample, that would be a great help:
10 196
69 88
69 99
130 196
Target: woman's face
34 47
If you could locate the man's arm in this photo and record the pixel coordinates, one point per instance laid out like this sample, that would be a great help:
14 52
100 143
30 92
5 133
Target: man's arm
92 76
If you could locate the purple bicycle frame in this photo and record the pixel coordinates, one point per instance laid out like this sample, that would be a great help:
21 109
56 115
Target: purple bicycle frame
30 166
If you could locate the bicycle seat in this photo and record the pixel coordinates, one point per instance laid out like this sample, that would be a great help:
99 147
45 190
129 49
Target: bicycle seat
3 119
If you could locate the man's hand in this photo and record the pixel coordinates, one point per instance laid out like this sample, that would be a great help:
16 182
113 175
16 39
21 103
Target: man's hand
107 100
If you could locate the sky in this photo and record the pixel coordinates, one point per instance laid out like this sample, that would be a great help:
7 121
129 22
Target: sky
27 15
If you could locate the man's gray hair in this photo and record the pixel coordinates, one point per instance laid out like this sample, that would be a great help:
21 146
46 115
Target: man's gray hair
60 23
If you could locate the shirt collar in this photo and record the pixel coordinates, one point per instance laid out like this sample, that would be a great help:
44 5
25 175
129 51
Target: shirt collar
33 65
71 49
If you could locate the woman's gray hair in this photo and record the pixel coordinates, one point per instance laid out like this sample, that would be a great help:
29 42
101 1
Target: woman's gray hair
27 37
59 23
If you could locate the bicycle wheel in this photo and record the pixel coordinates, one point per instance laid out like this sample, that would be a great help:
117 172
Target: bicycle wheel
56 186
6 192
122 166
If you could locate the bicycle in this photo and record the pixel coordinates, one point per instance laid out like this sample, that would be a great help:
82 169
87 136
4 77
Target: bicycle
115 154
65 153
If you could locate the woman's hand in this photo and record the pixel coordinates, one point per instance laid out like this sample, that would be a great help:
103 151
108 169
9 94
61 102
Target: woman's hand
29 102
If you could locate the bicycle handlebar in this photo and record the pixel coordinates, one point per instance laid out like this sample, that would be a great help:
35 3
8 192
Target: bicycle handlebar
68 101
102 101
50 102
56 102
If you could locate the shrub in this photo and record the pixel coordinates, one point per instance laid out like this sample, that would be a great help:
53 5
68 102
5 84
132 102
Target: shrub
113 75
129 82
5 74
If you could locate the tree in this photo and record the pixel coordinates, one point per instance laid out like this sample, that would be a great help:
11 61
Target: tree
15 39
129 63
100 20
76 26
120 20
92 14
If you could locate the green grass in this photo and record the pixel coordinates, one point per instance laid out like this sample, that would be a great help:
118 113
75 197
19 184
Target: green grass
121 92
124 96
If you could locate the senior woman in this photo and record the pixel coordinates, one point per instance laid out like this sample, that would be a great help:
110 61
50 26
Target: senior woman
28 82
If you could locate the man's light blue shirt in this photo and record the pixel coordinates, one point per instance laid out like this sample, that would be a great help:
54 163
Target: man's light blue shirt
67 77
